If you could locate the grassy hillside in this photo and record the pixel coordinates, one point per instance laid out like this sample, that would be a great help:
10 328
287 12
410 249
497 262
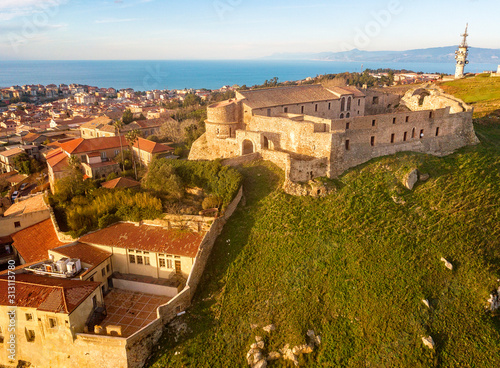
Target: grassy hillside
354 266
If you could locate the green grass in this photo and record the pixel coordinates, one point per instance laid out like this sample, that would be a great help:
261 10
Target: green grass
354 266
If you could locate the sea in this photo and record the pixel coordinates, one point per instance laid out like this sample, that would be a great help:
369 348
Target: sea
144 75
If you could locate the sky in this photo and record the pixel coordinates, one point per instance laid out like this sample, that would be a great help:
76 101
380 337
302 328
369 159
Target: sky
234 29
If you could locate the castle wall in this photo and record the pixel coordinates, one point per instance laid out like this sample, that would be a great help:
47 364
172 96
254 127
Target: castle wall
379 102
439 134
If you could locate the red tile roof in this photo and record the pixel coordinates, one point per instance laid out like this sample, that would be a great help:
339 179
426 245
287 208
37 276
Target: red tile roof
151 147
82 145
84 252
33 204
46 293
147 238
34 242
57 160
120 183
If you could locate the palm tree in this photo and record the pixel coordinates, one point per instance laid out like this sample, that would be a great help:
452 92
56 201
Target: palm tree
118 124
132 137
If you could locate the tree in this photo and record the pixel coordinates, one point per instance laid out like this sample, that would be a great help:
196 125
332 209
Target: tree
161 177
132 137
191 100
118 126
127 117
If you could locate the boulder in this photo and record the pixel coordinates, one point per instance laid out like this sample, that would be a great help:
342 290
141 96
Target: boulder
411 179
447 264
260 345
428 341
302 349
260 364
424 177
426 302
269 328
273 355
258 338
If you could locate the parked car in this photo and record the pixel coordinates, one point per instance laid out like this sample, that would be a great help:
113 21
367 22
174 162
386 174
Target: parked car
23 185
15 195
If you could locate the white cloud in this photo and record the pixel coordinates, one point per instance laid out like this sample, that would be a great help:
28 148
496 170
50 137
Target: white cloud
10 9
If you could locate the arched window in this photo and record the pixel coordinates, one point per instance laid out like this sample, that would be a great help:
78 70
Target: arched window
349 104
341 116
247 147
342 104
413 133
348 115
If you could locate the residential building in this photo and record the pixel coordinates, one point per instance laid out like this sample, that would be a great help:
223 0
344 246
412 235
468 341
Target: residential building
7 159
24 214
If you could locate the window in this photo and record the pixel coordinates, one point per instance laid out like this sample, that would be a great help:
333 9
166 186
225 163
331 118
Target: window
392 138
162 262
329 105
348 115
285 110
103 154
431 115
374 122
92 278
349 104
346 126
146 260
407 119
17 224
117 152
394 120
131 258
437 131
302 109
422 133
170 263
342 104
139 260
375 100
372 141
103 272
413 133
316 108
341 116
268 112
108 268
29 317
405 135
30 335
347 144
359 102
52 322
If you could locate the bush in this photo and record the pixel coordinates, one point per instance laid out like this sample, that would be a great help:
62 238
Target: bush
211 202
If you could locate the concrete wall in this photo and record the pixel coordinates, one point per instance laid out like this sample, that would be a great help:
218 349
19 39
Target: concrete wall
145 288
8 224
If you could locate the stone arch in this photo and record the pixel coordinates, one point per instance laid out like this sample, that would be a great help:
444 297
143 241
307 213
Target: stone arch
349 104
342 104
247 147
348 115
422 93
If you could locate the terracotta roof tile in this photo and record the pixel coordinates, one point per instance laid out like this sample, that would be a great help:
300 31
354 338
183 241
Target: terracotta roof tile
120 183
148 238
81 145
33 204
47 293
280 96
84 252
151 147
34 242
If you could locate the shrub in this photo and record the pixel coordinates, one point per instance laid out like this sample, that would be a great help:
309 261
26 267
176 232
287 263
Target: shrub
211 202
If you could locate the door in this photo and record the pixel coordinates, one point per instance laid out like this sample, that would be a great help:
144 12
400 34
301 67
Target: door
178 267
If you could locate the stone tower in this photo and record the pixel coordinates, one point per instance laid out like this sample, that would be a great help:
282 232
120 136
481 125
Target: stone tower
461 55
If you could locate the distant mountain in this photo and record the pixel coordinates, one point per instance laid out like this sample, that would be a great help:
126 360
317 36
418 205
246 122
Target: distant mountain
435 55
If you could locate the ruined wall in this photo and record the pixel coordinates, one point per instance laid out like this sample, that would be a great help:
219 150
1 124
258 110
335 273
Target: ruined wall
379 102
433 132
305 170
432 99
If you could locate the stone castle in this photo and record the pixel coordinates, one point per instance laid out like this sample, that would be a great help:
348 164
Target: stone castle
314 131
